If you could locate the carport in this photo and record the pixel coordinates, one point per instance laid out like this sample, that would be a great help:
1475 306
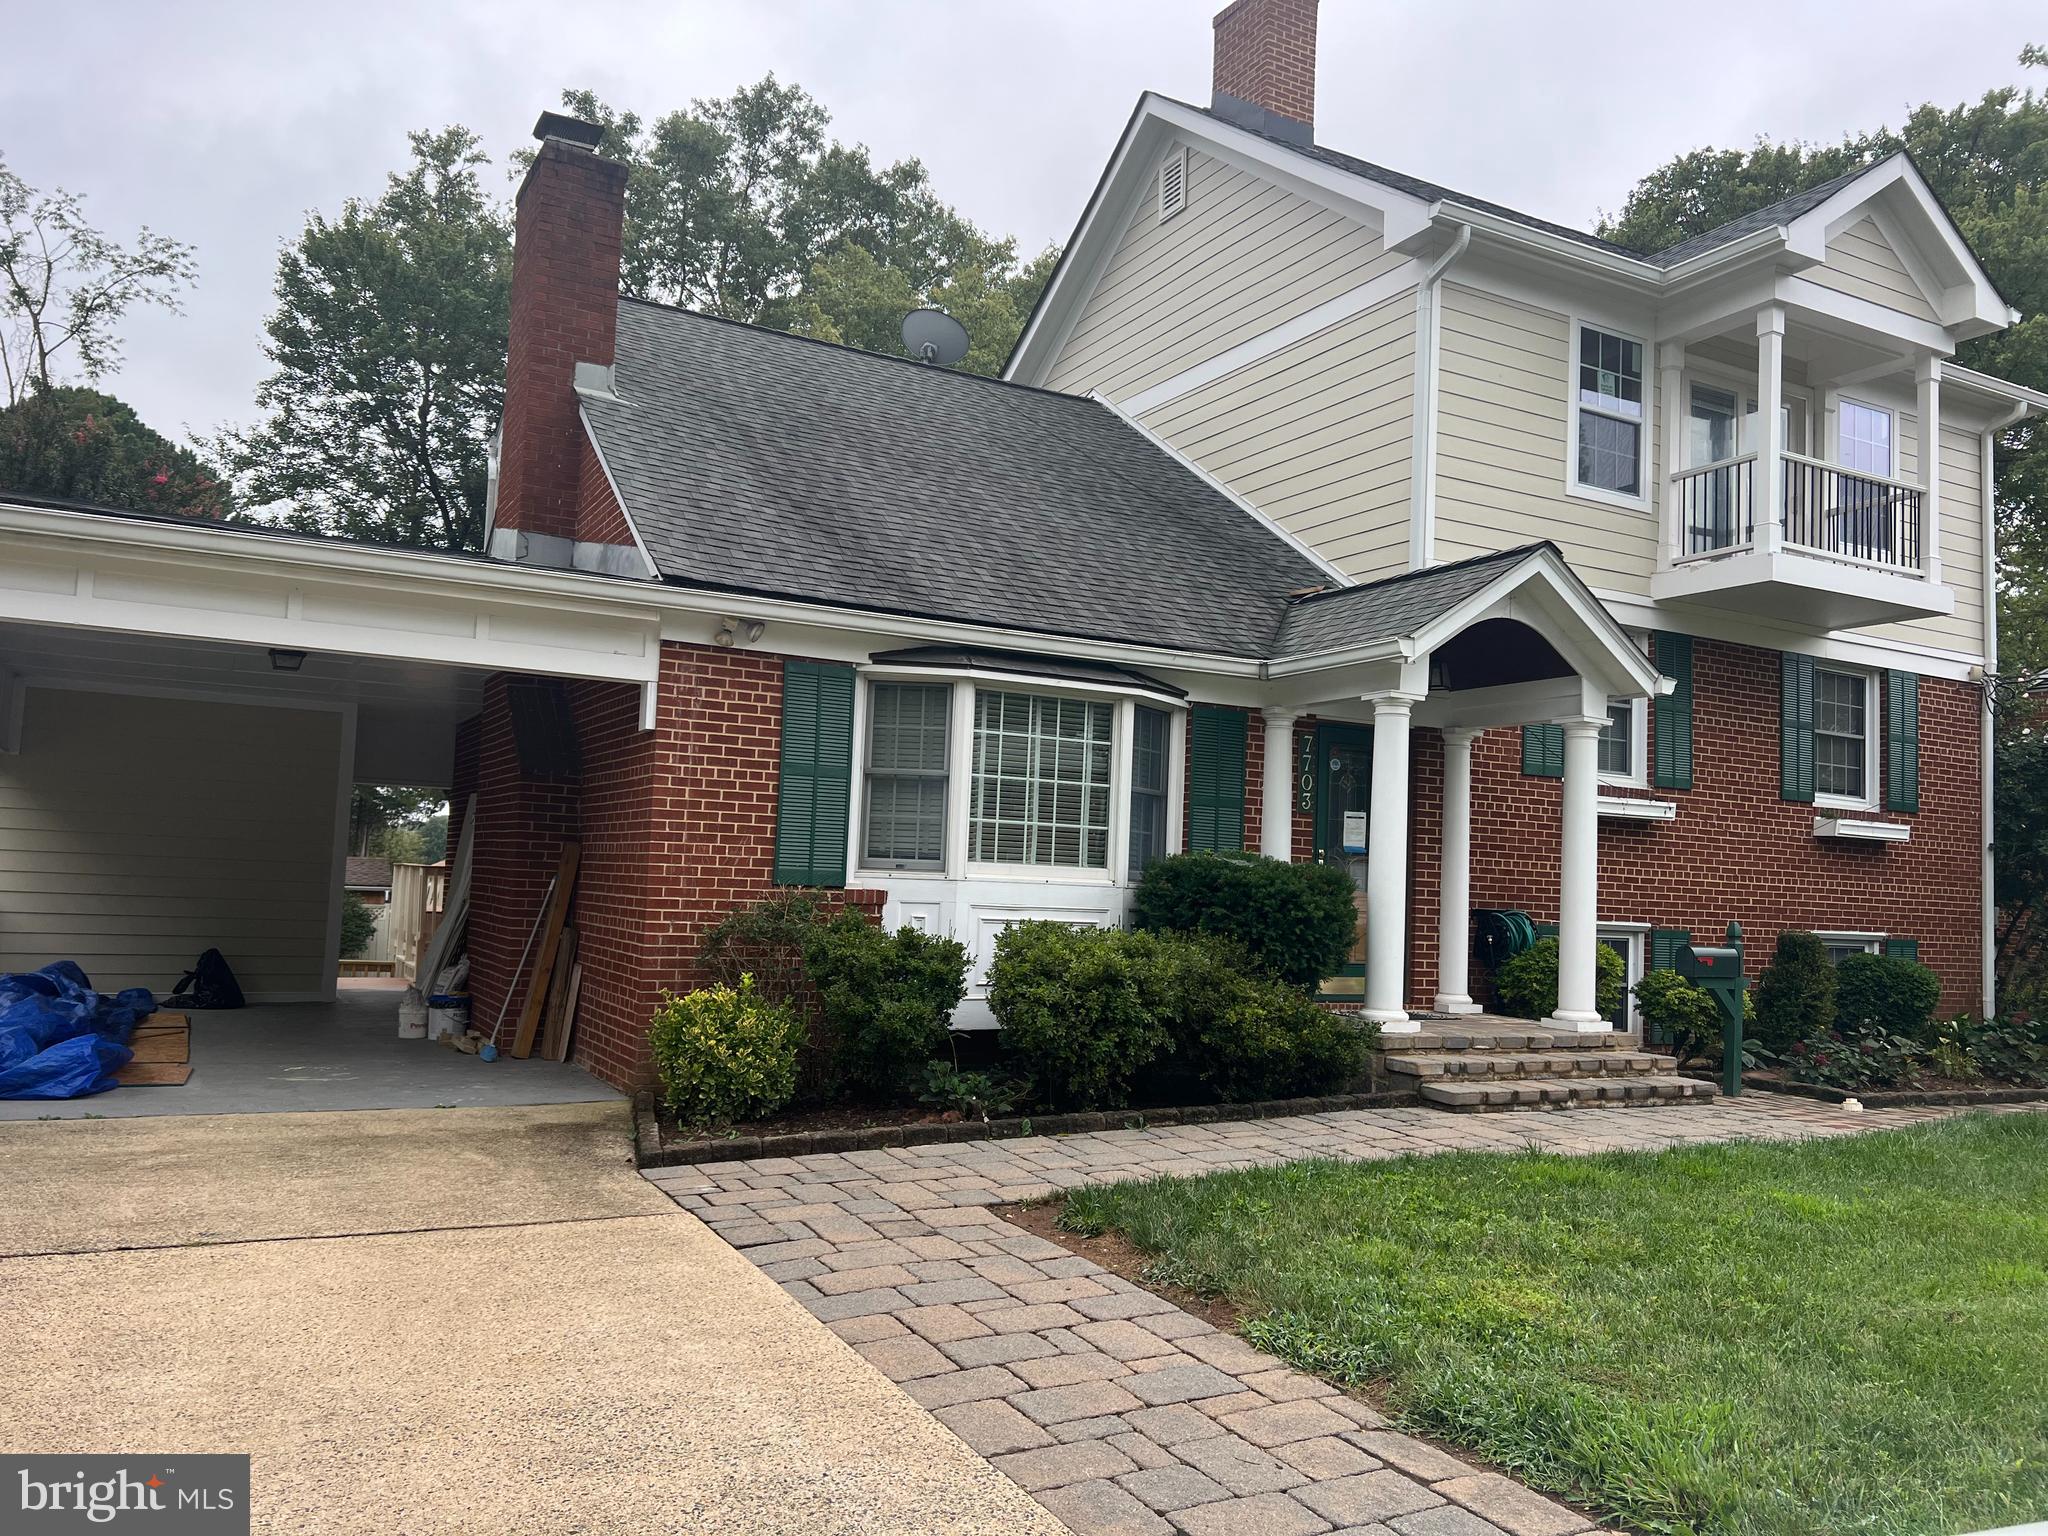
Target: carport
184 709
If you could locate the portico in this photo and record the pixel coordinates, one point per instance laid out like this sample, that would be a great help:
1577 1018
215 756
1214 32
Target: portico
1508 640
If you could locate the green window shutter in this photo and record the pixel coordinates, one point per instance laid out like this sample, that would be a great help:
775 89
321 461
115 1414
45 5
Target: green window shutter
1903 949
1795 727
814 792
1543 751
1901 741
1674 713
1665 943
1216 780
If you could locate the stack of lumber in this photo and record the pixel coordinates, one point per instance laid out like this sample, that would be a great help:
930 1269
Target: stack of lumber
549 1013
163 1052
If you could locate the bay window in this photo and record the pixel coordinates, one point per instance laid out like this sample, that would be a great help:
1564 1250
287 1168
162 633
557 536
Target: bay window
1149 759
1041 781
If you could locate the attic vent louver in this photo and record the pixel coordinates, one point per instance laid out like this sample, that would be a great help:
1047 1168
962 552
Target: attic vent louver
1173 184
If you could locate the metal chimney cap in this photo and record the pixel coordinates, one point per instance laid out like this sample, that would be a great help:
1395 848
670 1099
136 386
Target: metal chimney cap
570 130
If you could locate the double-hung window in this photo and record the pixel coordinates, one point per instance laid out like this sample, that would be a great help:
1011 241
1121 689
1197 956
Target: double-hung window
1866 439
1618 738
1841 736
1151 731
1608 397
906 776
1041 781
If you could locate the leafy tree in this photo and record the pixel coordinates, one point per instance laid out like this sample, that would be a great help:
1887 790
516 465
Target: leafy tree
434 839
358 925
375 810
744 207
389 349
80 445
65 285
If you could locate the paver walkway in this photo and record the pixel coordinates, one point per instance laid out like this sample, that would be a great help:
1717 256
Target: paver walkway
1121 1413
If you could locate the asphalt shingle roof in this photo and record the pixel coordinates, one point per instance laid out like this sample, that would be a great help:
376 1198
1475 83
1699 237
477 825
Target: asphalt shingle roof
1779 212
755 461
1356 616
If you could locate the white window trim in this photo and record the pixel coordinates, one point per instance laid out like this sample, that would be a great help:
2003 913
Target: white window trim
1891 413
1742 385
863 751
1638 747
960 773
1867 801
1636 936
1645 447
1869 943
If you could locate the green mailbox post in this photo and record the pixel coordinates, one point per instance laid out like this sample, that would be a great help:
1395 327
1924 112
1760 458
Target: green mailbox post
1719 971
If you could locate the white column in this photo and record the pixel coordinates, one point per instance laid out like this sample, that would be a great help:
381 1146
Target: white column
1671 401
1454 909
1769 494
1386 868
1928 373
1276 821
1578 905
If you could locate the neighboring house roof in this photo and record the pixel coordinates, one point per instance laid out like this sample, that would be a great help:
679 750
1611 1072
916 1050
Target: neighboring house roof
1350 617
367 874
753 461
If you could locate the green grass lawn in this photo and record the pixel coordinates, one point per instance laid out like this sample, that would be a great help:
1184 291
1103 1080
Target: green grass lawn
1839 1336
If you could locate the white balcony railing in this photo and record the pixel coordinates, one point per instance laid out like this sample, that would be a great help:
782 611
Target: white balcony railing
1828 511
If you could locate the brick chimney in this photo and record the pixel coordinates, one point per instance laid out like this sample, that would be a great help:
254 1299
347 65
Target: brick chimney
1265 75
565 311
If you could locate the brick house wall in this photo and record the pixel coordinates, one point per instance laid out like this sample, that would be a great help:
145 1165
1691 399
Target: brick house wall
1736 851
677 827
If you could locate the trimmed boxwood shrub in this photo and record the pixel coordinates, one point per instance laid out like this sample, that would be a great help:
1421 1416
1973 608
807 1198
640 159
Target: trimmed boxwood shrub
1795 995
1885 995
1296 922
1083 1010
1241 1036
886 997
1088 1014
724 1054
1528 982
1686 1015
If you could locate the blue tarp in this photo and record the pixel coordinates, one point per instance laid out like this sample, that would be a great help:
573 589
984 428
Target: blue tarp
59 1039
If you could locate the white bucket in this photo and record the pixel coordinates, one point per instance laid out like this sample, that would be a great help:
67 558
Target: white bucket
412 1015
446 1021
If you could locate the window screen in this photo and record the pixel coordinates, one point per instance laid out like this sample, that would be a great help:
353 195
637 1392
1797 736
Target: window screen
1148 787
1041 781
906 778
1617 739
1610 412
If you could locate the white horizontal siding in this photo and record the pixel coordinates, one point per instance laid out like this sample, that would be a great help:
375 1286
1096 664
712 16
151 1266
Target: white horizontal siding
136 832
1243 257
1962 541
1317 436
1503 422
1862 264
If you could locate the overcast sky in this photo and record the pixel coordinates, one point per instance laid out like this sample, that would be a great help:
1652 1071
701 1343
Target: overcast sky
222 123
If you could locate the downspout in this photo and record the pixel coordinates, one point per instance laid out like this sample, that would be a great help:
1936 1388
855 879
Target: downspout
1988 745
1422 457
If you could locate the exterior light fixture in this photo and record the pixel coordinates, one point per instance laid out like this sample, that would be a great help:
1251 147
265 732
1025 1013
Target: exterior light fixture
287 661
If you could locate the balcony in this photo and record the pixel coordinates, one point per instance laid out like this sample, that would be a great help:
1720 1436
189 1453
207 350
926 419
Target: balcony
1847 549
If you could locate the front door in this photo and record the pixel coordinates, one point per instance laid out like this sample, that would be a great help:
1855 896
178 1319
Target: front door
1343 797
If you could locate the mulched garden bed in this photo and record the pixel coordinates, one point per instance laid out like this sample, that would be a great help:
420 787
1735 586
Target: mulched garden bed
661 1143
1981 1091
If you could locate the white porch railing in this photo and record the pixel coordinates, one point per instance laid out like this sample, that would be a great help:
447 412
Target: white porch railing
1829 512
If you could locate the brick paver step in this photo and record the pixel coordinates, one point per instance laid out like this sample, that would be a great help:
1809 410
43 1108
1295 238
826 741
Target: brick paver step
1606 1091
1470 1064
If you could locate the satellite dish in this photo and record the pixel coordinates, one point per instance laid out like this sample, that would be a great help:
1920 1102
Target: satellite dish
933 336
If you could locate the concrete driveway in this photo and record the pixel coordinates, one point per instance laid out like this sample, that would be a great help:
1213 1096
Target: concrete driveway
441 1321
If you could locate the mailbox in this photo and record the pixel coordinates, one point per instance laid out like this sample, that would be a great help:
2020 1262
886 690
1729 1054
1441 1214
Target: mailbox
1718 970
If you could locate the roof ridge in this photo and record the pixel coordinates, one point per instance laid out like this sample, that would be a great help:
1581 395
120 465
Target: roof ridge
841 346
1513 552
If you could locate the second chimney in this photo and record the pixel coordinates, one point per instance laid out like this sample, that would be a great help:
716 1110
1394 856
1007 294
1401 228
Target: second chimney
1265 75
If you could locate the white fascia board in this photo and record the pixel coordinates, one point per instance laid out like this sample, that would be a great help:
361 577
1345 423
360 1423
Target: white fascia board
2033 401
1829 304
1639 611
1301 547
414 577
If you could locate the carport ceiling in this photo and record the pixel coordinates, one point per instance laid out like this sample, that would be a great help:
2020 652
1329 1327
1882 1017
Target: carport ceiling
50 656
